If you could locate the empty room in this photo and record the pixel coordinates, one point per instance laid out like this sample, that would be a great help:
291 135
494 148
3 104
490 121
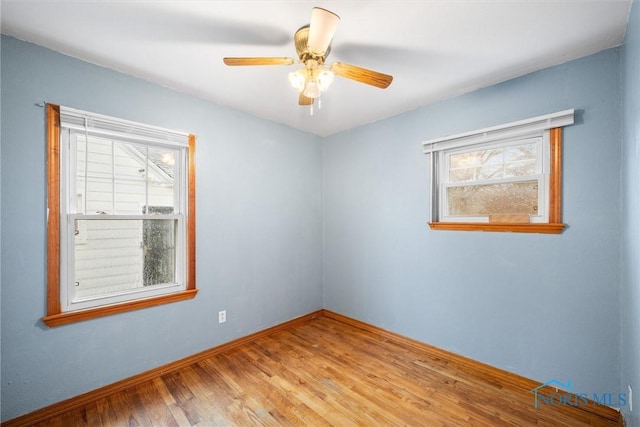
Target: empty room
341 213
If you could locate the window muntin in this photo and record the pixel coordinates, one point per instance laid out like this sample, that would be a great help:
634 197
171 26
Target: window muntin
481 182
127 200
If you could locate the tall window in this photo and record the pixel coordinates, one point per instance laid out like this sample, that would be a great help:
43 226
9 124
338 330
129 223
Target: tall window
505 178
121 215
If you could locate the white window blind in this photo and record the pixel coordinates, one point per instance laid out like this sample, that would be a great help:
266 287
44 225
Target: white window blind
124 130
522 128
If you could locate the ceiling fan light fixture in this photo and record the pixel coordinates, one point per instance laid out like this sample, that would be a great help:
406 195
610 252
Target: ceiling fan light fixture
311 88
311 82
298 79
325 78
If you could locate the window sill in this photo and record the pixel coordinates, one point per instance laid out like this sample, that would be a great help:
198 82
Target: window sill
553 228
92 313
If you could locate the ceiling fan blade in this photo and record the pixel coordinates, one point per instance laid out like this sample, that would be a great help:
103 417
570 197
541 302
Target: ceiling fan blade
321 30
266 60
362 75
304 100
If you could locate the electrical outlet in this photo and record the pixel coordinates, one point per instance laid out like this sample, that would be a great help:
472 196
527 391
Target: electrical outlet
222 316
630 398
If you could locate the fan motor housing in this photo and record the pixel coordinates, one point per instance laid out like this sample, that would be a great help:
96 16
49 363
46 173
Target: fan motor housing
300 39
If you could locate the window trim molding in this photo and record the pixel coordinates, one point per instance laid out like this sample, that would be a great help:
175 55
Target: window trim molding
54 316
517 129
552 123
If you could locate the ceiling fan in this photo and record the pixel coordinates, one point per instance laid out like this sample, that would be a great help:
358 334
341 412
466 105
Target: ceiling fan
313 44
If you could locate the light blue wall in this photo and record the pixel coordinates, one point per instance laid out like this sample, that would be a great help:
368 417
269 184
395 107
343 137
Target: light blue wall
630 289
289 223
259 231
543 306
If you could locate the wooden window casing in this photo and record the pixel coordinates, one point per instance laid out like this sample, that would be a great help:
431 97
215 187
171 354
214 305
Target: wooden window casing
55 316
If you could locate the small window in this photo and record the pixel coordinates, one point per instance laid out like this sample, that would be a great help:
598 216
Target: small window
121 215
506 178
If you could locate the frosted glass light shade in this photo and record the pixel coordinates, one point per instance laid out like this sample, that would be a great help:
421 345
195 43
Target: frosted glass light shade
311 89
325 78
297 79
311 81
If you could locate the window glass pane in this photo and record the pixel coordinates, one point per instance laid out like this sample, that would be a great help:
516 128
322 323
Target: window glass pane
99 195
489 172
493 156
523 168
462 160
491 199
81 149
159 251
115 256
460 175
93 175
161 174
520 152
165 160
130 197
129 162
98 159
130 178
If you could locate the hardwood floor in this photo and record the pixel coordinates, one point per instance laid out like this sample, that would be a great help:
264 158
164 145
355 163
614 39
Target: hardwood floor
326 372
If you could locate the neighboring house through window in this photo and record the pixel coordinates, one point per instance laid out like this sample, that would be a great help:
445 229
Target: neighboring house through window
121 226
504 178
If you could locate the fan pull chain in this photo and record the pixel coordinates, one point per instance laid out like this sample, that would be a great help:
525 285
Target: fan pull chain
319 106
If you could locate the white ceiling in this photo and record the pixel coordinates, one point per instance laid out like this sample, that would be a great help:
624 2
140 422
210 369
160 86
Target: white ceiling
434 49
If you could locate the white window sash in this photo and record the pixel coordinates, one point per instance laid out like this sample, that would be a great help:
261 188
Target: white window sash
541 216
71 302
69 142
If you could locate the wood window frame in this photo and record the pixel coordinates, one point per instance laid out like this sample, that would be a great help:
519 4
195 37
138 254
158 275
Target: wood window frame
55 316
554 224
